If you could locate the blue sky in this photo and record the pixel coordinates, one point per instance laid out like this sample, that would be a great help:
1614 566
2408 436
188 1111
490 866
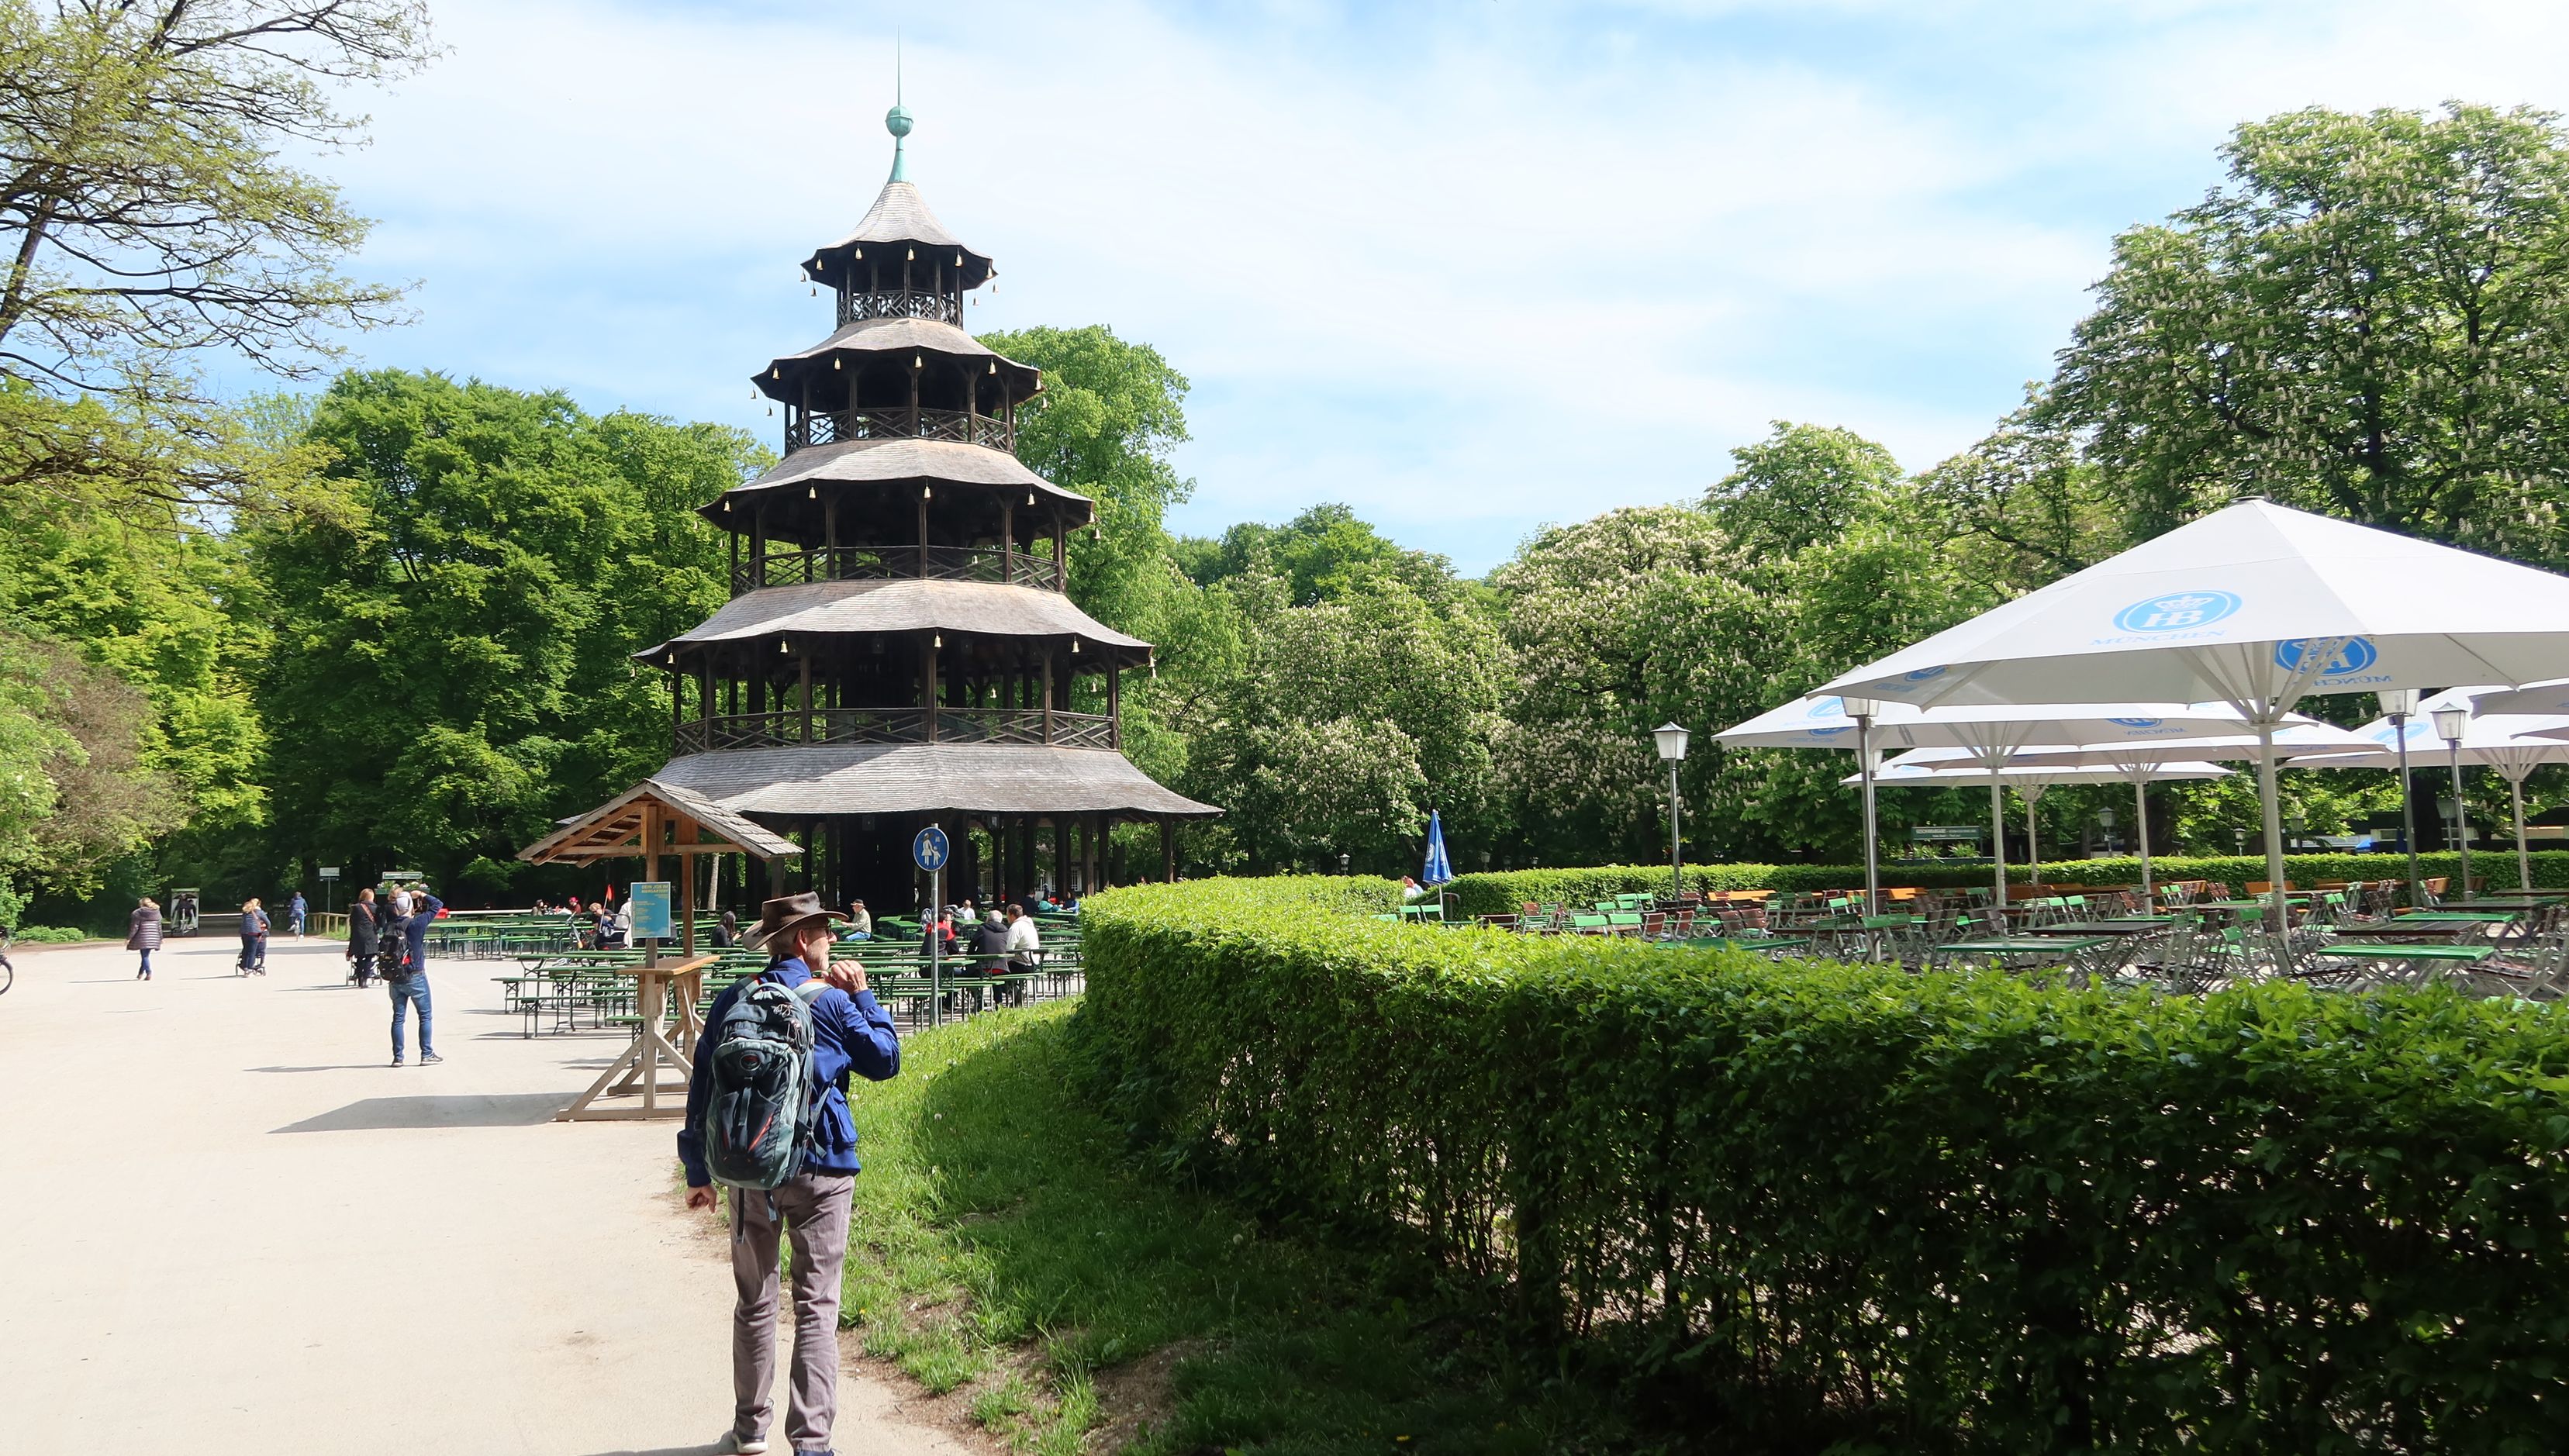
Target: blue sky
1470 268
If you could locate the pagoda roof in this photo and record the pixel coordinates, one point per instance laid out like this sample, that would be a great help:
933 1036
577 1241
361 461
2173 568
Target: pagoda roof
902 218
898 459
813 779
901 604
901 334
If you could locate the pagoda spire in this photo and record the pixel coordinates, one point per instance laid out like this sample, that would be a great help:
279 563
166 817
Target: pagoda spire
896 121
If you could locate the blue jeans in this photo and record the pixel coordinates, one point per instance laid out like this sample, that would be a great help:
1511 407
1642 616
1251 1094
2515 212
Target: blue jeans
406 989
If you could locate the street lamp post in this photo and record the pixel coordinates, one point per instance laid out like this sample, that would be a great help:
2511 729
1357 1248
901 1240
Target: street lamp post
2450 724
1673 746
2397 705
2105 822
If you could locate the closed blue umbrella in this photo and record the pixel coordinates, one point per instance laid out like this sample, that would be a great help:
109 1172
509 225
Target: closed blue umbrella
1439 869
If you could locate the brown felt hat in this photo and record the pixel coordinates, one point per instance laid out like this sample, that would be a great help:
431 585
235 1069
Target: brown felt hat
781 916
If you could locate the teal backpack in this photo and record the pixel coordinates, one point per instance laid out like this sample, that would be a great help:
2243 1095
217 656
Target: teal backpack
758 1115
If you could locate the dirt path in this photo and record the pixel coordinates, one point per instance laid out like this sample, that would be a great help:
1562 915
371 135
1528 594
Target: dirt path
230 1227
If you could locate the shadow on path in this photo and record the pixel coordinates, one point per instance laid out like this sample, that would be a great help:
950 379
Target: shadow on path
510 1109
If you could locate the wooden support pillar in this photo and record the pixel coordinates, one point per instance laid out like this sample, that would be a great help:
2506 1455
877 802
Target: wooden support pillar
922 533
1048 694
928 682
972 405
829 536
1060 553
1168 851
1060 856
915 371
1114 703
686 889
1007 541
803 663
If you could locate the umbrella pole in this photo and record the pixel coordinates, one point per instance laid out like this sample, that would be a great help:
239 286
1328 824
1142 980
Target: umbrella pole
2141 827
1997 848
2523 860
2279 912
2407 810
2032 844
1871 850
2462 819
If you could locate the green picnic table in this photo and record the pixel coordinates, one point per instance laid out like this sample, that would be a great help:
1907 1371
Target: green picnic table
2070 951
2456 918
1764 944
2120 926
2422 961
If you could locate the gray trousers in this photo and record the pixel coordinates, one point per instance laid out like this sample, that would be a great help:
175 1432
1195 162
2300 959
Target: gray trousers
815 1210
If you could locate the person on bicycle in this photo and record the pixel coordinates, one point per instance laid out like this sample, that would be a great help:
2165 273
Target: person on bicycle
294 912
253 937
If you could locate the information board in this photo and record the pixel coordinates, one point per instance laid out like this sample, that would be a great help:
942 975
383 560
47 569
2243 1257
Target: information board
650 901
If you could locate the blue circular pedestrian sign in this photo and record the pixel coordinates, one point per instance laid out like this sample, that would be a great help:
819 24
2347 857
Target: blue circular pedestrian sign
929 850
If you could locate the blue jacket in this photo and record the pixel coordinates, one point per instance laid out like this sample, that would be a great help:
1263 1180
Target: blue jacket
423 913
848 1032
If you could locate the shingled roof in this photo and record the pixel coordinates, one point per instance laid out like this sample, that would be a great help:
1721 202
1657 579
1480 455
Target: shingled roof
902 604
895 459
811 780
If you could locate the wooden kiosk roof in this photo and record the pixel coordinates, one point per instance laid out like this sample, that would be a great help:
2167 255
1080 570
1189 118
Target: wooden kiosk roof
616 830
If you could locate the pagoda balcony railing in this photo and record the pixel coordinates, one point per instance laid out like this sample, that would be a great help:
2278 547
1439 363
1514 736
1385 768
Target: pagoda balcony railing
896 725
965 427
888 564
893 304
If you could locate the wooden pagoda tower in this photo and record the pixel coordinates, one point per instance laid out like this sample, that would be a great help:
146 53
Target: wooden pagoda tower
897 649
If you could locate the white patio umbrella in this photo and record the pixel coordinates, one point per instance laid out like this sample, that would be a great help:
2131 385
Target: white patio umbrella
1993 733
2131 761
2514 744
2036 769
2254 606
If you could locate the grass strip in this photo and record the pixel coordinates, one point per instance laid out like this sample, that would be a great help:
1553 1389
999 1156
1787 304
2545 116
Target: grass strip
1004 1245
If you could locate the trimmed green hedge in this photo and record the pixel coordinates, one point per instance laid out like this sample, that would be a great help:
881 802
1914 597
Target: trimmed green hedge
1502 892
1814 1203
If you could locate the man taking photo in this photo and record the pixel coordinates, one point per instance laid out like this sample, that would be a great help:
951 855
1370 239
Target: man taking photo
811 1208
409 980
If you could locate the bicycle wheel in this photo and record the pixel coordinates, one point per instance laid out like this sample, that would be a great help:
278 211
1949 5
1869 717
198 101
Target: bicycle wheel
8 976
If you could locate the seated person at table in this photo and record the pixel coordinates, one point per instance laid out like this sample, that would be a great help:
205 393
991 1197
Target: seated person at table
937 931
1410 889
990 945
861 922
1024 947
726 932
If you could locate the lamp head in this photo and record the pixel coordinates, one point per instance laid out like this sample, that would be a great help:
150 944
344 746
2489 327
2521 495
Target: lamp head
1859 707
2449 723
2397 702
1671 740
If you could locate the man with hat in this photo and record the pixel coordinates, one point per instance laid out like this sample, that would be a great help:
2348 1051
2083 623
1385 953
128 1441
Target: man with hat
849 1032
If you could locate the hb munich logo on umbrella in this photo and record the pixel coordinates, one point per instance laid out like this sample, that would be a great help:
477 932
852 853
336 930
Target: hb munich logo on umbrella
2177 612
2357 656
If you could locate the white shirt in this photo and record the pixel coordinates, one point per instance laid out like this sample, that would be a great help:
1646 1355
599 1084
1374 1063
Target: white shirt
1021 936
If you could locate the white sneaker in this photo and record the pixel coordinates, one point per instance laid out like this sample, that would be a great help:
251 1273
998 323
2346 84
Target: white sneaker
745 1445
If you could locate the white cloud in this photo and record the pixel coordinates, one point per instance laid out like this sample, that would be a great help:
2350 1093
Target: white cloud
1468 268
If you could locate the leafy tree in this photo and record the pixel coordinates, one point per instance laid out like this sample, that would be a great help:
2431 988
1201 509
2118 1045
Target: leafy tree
1617 624
2364 320
451 669
75 796
149 212
1323 552
1349 720
1800 485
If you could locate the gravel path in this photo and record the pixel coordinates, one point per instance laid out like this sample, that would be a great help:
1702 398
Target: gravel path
232 1227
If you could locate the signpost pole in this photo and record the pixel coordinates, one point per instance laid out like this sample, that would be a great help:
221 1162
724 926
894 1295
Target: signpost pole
928 850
